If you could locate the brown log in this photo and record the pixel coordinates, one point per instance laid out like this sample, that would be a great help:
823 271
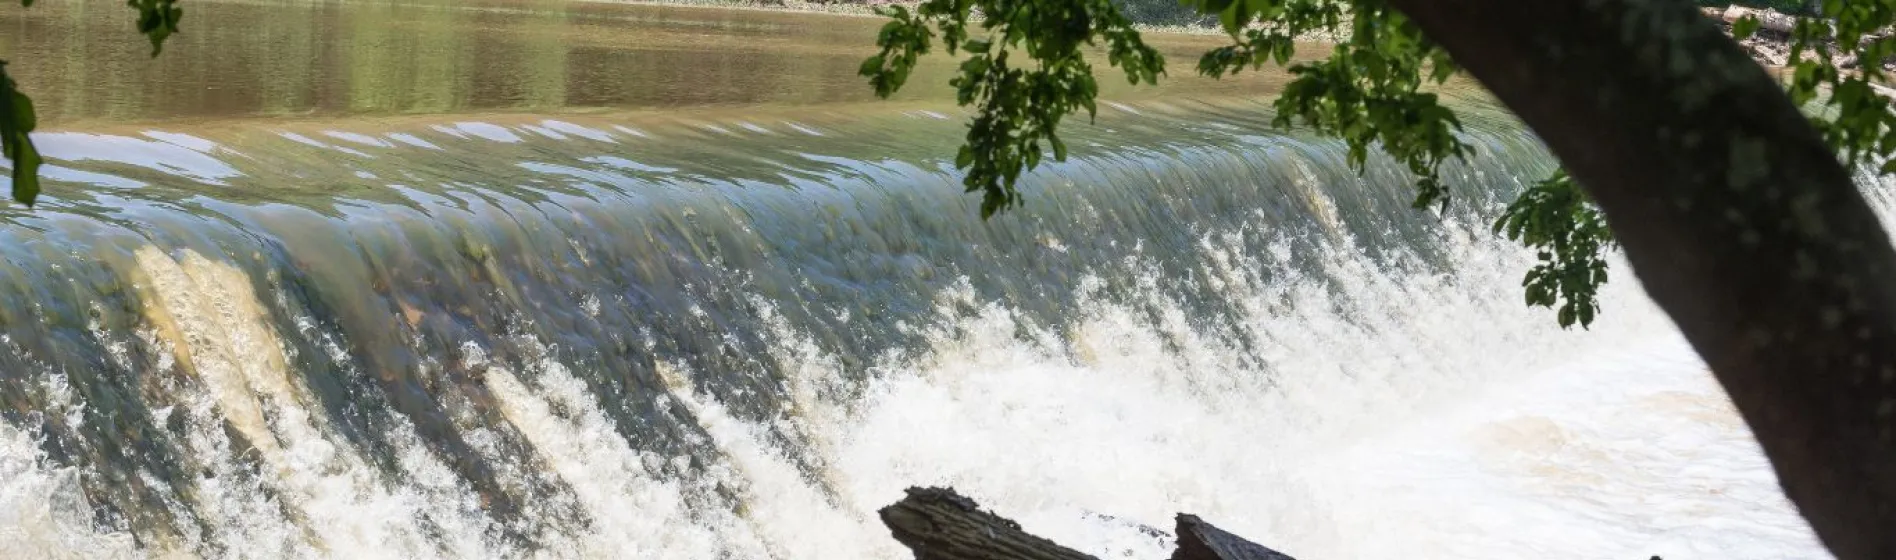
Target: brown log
938 524
1198 540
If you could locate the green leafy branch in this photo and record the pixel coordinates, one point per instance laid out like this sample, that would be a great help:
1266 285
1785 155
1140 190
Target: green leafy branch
1019 104
1368 92
1569 235
1855 117
1371 91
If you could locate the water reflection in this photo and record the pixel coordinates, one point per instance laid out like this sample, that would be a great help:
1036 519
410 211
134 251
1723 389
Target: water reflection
81 61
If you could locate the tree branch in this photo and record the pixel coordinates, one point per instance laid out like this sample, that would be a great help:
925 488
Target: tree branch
1737 217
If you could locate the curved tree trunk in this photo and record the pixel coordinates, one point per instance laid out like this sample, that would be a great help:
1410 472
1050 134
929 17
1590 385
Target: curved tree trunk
1737 218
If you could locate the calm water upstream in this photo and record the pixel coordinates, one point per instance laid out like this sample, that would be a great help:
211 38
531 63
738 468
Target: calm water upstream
588 280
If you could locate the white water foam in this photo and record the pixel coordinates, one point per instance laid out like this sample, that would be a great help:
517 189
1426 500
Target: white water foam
633 513
317 497
42 512
1413 417
1400 415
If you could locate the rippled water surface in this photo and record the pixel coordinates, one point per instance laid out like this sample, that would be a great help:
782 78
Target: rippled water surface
298 58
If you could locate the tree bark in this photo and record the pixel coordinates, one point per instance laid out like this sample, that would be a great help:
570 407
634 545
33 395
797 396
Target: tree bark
1737 218
938 524
1198 540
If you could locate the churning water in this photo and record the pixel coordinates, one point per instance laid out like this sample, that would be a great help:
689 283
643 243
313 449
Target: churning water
736 336
525 332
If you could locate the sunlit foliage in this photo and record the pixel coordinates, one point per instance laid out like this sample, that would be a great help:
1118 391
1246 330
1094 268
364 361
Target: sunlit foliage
1372 90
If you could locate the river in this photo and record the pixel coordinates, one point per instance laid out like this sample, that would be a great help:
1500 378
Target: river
586 280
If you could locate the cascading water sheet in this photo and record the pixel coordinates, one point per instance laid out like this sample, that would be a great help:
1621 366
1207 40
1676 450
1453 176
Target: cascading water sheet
736 335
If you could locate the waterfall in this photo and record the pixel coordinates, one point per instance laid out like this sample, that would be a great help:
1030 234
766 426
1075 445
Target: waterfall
735 334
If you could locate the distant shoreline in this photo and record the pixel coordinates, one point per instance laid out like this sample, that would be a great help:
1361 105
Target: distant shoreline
798 6
857 9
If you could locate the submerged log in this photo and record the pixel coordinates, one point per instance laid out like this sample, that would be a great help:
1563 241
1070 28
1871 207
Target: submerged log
939 524
1198 540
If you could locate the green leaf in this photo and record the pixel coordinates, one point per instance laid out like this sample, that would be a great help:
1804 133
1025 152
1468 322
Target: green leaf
1235 17
1016 105
17 120
157 20
1369 92
1569 235
26 164
1744 27
23 114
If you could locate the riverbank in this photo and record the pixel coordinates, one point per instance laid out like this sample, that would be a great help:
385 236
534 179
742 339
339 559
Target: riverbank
864 9
1770 46
861 9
